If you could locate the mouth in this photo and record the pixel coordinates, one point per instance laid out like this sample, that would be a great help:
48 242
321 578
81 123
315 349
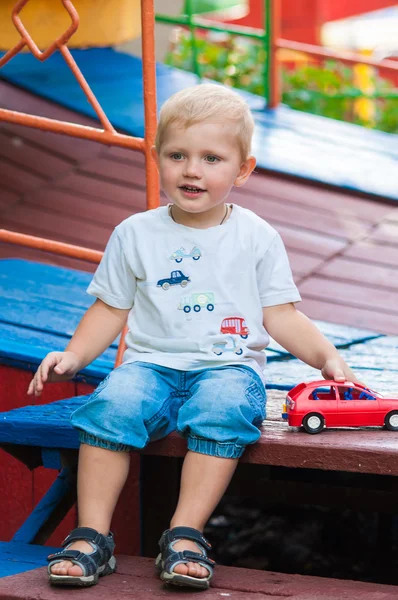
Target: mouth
191 189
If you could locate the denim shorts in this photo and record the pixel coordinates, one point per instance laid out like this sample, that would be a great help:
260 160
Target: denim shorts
219 411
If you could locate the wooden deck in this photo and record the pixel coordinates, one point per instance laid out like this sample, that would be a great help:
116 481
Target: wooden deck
343 248
136 578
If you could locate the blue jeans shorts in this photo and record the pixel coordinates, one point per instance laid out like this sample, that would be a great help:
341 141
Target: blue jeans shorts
219 411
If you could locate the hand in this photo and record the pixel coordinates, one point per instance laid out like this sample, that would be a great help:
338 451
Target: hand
57 366
338 370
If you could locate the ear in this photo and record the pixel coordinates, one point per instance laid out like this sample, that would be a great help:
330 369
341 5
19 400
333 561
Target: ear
155 156
246 169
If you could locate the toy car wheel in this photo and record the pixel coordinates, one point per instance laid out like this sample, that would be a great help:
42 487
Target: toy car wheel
244 337
178 260
184 283
313 423
196 308
165 285
218 352
239 352
187 309
196 257
210 307
391 420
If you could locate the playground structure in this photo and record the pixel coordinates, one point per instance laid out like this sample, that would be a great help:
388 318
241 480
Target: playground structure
108 136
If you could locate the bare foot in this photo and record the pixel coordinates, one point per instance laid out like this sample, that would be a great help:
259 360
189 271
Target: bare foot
192 569
66 567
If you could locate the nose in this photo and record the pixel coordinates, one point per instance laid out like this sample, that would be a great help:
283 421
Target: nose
192 169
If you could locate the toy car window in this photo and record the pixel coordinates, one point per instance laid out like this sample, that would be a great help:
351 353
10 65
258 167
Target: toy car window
352 393
323 393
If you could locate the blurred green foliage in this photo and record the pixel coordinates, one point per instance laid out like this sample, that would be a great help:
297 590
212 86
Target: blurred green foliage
328 90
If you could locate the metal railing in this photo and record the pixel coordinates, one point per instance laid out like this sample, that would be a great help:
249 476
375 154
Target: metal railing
269 36
108 135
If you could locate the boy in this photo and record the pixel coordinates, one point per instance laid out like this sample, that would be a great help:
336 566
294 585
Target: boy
201 283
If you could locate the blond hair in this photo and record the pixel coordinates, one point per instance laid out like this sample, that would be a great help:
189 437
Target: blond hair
203 102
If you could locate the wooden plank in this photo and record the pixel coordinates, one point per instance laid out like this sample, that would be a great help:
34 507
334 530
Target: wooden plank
364 451
89 209
118 171
70 148
125 155
349 315
8 198
350 294
48 223
346 269
310 242
26 155
300 216
303 264
136 577
321 200
12 177
121 194
385 233
373 252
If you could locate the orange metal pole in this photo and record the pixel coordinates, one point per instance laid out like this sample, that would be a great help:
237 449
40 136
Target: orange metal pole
274 32
30 241
111 138
149 85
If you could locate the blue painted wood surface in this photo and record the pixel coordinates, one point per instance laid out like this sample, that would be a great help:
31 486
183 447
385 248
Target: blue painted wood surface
42 425
16 557
285 141
40 308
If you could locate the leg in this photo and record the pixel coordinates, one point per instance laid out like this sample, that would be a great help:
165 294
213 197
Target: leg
220 418
122 413
204 480
101 477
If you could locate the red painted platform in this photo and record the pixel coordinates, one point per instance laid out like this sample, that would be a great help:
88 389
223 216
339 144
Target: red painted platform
136 579
343 248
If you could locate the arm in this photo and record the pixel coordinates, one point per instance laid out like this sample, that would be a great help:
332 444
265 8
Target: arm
299 336
100 325
98 328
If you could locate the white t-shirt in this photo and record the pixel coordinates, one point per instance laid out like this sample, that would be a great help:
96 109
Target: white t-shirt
196 295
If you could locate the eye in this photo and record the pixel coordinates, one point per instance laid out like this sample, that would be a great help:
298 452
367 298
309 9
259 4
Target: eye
176 156
210 158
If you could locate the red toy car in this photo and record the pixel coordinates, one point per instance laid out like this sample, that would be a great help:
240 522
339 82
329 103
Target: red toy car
326 403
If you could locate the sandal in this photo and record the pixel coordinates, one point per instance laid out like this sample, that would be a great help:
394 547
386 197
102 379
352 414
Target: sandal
98 563
169 558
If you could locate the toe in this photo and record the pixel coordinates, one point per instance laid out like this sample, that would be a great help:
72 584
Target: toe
191 569
195 570
181 569
66 568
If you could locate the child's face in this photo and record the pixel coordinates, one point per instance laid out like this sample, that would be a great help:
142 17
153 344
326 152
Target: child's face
198 165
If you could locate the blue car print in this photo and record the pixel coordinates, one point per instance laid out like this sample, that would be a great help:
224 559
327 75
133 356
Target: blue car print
176 278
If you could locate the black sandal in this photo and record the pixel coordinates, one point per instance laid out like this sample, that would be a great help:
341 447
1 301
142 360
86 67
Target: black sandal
97 564
169 558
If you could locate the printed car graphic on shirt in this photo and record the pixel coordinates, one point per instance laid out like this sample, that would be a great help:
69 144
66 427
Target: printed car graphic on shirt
235 325
229 345
176 278
197 301
181 253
